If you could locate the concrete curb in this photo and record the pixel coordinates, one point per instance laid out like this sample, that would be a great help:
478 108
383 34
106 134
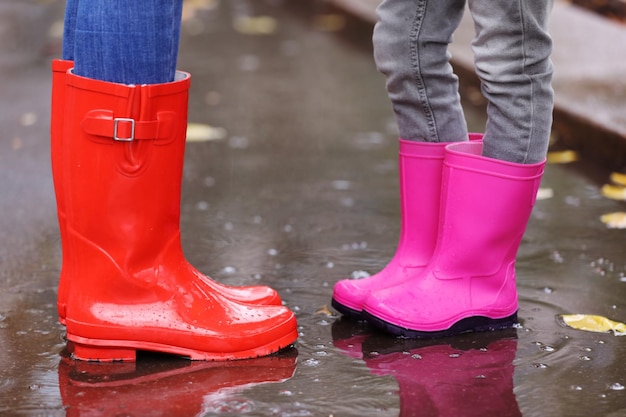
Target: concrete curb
589 80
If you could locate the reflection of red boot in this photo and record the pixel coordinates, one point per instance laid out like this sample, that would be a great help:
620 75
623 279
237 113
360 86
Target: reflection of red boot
165 386
131 287
463 378
58 140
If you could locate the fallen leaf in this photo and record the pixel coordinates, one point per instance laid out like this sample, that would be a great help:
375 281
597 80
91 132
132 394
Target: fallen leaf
614 192
618 178
562 157
615 220
197 132
545 193
324 310
257 25
592 323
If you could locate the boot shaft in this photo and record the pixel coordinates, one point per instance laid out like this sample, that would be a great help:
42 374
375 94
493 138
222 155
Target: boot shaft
420 166
123 165
486 205
419 171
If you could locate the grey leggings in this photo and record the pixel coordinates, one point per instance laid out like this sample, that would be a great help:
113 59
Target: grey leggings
512 55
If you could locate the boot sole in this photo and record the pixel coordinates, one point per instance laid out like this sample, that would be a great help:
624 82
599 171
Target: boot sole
95 350
347 311
470 324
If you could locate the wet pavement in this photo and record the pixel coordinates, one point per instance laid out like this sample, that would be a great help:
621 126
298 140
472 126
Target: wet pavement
296 189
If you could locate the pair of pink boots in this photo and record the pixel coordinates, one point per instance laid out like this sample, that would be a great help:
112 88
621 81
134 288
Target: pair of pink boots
463 218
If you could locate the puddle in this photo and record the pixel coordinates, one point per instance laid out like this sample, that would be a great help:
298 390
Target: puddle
300 193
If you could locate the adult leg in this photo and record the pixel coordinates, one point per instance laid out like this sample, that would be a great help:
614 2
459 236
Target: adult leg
127 42
69 28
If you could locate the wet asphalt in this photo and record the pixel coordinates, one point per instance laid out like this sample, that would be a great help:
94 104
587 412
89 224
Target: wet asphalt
297 188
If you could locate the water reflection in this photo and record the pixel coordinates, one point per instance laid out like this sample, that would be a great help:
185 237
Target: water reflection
162 385
468 375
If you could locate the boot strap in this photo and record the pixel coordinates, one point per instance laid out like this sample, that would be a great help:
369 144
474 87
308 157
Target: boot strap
124 129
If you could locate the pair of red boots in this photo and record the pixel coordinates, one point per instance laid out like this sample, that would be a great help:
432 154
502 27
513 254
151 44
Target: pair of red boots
117 158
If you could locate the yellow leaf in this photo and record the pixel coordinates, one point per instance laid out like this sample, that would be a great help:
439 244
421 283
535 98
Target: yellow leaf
324 310
259 25
197 132
591 323
615 220
562 157
614 192
618 178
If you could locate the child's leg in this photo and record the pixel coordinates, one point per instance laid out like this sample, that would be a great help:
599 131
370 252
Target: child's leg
129 42
410 47
512 49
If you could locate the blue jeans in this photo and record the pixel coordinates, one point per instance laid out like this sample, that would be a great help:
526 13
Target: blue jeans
512 51
123 41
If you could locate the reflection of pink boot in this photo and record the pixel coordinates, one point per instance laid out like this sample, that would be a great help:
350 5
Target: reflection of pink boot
165 385
469 283
420 167
442 380
348 336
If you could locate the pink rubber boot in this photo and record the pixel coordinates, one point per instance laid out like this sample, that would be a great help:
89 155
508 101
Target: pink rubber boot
469 283
419 168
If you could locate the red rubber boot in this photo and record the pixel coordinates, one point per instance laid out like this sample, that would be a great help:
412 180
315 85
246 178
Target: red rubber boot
59 69
131 287
261 295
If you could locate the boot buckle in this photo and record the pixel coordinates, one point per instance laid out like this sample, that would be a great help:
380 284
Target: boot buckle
131 136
